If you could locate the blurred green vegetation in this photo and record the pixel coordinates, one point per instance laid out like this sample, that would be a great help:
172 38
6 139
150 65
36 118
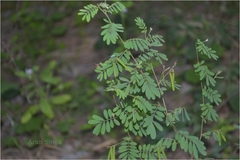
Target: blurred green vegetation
33 28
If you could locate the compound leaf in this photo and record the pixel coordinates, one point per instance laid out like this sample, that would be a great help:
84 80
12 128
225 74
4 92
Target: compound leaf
110 32
116 7
140 23
88 12
203 49
212 95
136 44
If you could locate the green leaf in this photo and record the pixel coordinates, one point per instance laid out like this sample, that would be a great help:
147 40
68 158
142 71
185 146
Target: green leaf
10 141
47 74
29 113
61 99
212 95
46 108
136 44
26 117
97 118
156 40
186 114
174 146
63 126
97 129
116 7
158 126
190 143
116 122
33 109
223 137
204 72
88 12
93 121
110 32
105 114
152 131
215 136
149 87
21 74
140 23
142 104
195 152
208 112
128 150
203 49
108 127
33 125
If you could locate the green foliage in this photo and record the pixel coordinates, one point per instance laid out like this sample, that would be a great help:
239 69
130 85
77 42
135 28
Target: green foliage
63 126
104 125
58 31
111 154
128 150
88 12
190 77
203 49
204 72
8 89
212 95
61 99
137 44
46 108
110 32
190 144
147 151
114 65
140 23
217 135
173 117
149 87
136 88
116 7
45 104
208 112
10 142
35 124
35 31
31 111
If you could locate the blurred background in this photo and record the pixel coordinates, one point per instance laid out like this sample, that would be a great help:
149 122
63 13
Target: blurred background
49 88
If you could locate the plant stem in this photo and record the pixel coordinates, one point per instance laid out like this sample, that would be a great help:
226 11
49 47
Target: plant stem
110 22
200 137
175 129
129 136
201 131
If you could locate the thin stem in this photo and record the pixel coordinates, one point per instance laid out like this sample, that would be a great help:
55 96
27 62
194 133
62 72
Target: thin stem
169 70
175 129
203 100
110 22
200 137
120 39
155 76
129 136
134 59
164 105
196 52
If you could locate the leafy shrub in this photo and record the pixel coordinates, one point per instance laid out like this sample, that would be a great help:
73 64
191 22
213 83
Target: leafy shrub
139 92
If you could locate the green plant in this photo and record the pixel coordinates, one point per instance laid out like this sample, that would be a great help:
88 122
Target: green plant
35 32
139 92
40 88
46 96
